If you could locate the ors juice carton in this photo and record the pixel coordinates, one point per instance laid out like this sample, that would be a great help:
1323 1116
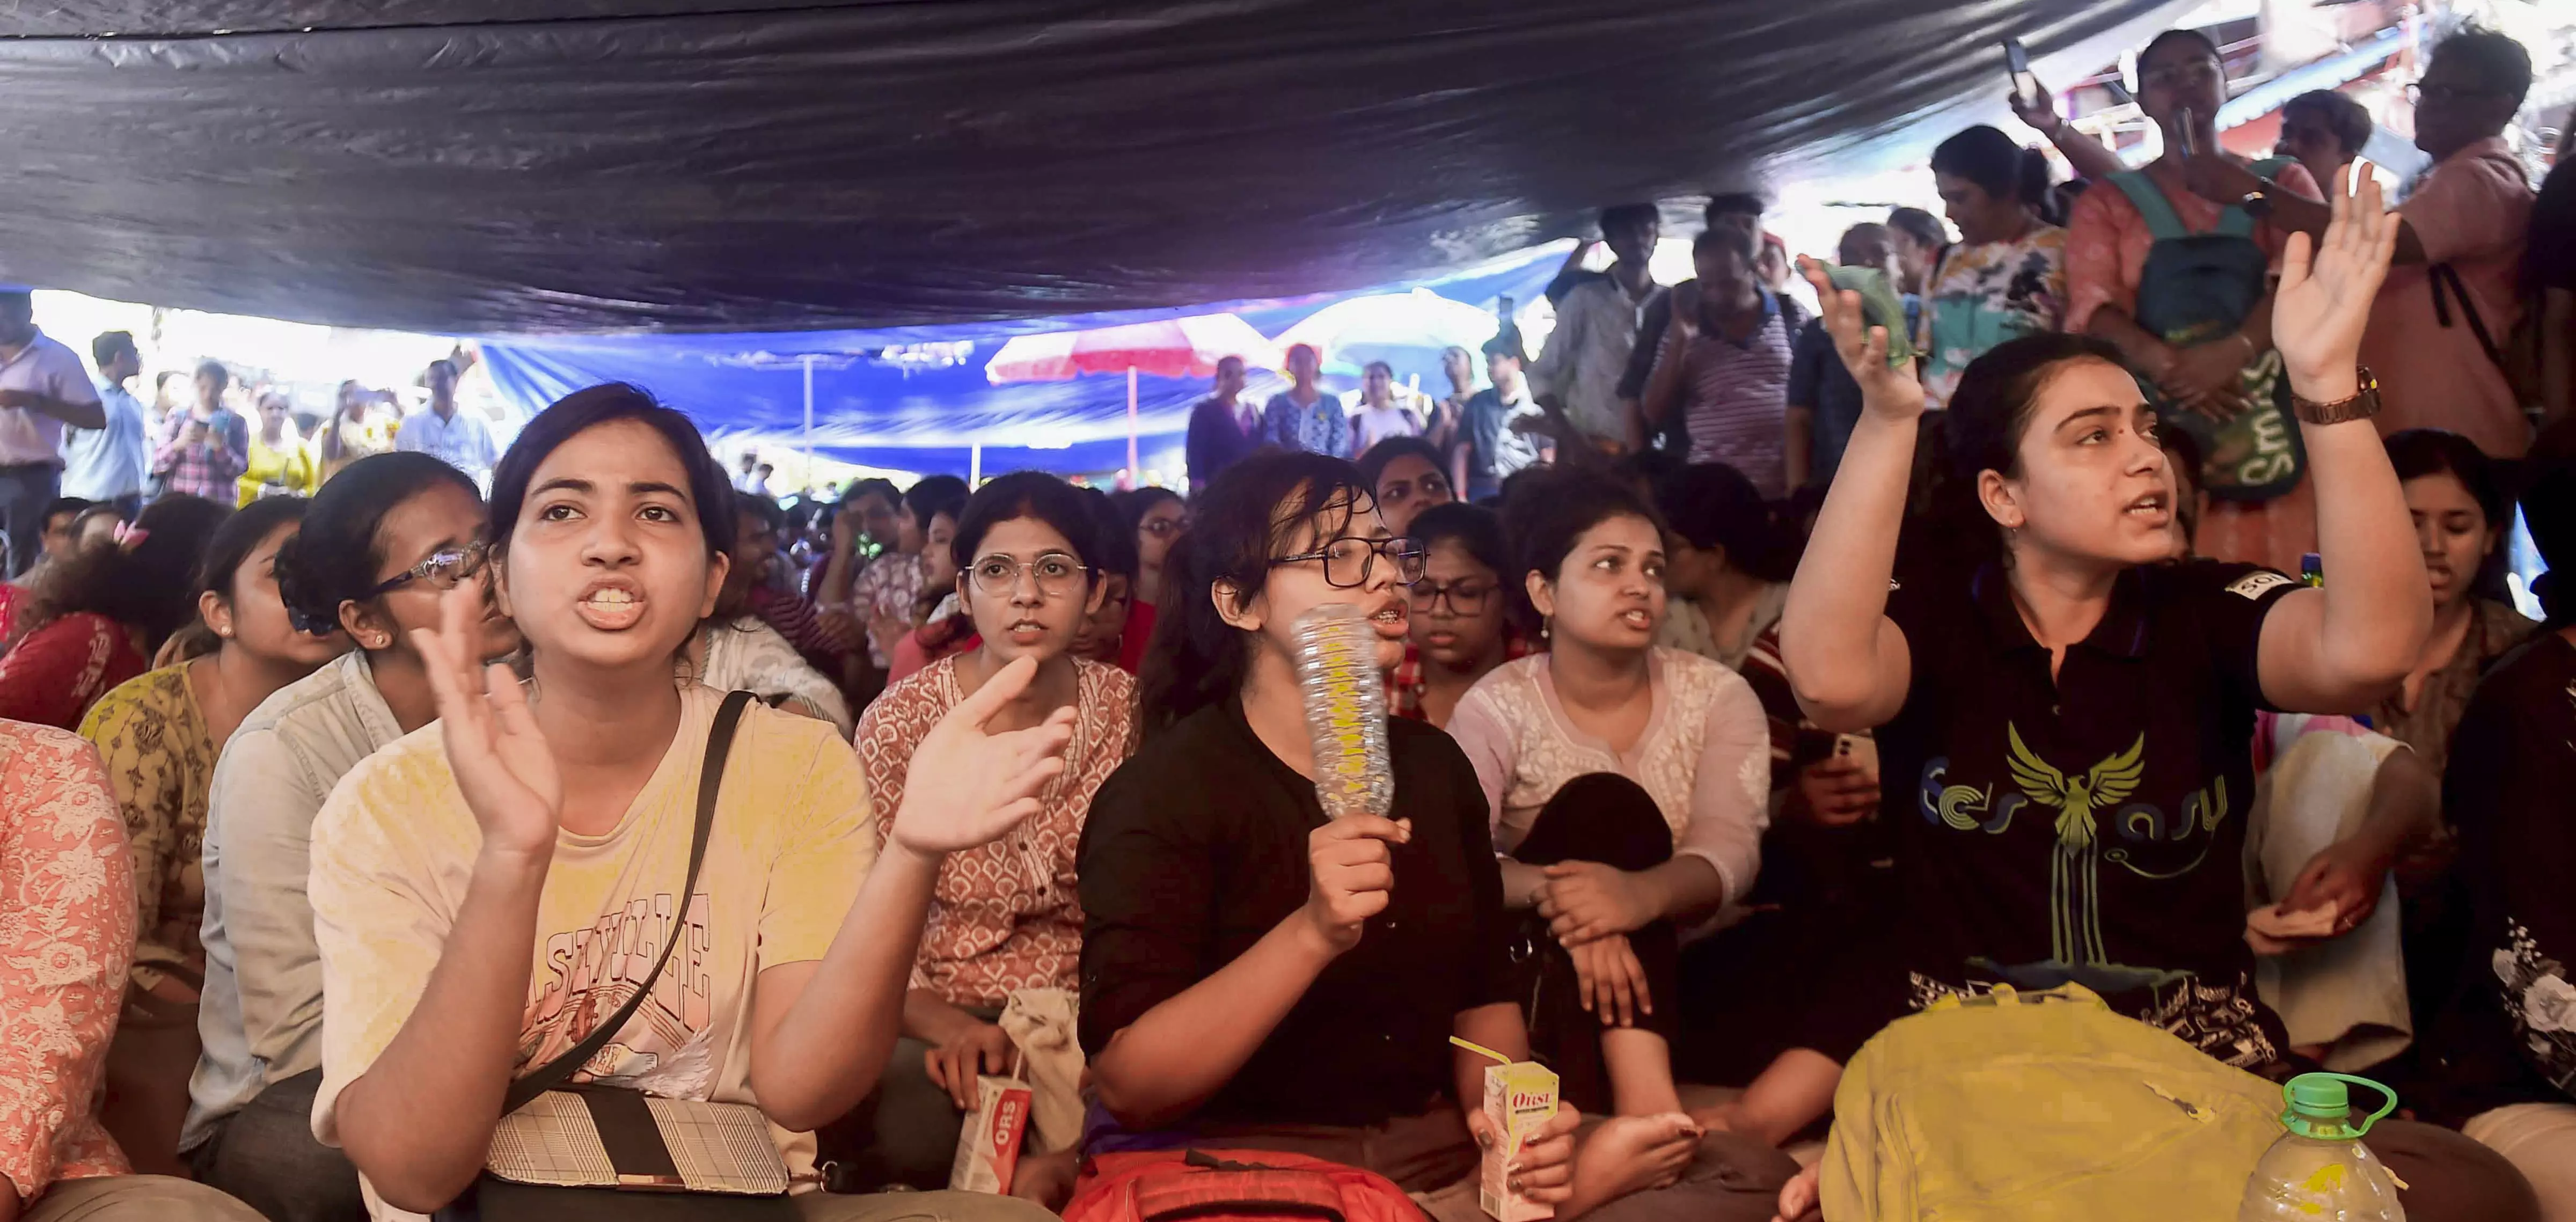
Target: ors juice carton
988 1150
1519 1097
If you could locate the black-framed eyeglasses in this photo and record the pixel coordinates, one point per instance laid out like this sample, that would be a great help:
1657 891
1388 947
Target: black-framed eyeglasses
1466 597
998 576
442 570
1348 562
1163 528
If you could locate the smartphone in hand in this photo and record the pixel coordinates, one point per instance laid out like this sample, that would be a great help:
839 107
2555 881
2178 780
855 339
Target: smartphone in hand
2025 84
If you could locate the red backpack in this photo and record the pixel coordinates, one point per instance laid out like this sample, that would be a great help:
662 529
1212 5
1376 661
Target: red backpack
1233 1186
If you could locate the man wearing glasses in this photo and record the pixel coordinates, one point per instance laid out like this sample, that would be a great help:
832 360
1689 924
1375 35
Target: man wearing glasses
2448 308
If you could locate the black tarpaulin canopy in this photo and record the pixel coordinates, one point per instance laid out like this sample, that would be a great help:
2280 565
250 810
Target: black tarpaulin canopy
481 167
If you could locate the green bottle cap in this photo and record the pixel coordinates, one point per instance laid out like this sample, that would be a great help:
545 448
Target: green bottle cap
2321 1106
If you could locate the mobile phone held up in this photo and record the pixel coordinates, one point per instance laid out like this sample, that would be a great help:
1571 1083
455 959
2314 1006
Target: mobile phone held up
2025 84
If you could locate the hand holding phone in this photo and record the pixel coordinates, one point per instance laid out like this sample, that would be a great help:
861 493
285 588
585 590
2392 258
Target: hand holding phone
2025 85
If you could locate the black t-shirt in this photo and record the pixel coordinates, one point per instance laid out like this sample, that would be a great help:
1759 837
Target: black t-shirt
1196 848
2549 260
2092 828
2509 1034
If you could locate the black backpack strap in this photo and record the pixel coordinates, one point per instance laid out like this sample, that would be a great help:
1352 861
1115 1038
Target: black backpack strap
2444 281
710 780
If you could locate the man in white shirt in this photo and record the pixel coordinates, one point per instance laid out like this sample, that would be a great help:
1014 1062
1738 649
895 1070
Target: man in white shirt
43 386
1596 328
107 465
462 439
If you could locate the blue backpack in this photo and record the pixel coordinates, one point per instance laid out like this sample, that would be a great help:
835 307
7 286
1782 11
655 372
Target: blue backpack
2197 288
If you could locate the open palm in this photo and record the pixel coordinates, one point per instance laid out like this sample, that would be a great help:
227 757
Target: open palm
1886 390
501 761
969 786
2328 286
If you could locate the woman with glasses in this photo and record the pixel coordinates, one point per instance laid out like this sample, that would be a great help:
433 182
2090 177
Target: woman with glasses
1157 517
1255 976
1004 917
1626 785
1458 630
375 551
159 735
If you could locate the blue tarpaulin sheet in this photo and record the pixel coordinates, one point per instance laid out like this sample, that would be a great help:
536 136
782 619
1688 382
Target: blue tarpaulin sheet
916 398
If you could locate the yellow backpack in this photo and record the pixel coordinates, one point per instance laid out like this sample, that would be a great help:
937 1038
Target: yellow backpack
2041 1107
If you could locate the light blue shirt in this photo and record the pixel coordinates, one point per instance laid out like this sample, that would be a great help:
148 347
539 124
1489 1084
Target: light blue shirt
107 463
464 441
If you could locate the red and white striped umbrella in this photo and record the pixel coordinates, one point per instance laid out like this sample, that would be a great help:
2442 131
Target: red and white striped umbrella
1172 348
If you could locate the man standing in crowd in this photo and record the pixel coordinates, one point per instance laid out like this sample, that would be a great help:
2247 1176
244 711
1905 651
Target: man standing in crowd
2325 131
1304 417
1824 401
460 438
43 387
1596 327
1223 428
1722 370
106 464
2450 303
1501 423
748 478
1735 209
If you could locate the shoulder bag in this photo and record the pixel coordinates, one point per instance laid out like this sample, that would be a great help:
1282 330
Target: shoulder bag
598 1153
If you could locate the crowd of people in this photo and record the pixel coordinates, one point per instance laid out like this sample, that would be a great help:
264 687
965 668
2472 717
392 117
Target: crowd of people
1757 680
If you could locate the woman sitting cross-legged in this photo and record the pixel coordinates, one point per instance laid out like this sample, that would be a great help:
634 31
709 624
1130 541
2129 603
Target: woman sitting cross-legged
1005 917
486 892
1628 786
1255 976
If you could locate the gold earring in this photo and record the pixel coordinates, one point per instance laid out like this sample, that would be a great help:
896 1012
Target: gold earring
225 632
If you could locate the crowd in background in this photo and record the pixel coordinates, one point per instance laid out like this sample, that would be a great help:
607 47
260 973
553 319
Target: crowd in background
1723 642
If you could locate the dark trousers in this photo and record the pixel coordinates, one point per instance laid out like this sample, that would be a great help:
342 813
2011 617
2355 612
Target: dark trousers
1609 819
904 1134
265 1154
25 490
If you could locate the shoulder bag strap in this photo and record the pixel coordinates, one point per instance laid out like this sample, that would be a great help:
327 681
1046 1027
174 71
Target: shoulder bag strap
710 780
2444 281
2163 223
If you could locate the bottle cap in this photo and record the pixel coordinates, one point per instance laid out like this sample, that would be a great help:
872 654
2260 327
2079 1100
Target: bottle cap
2321 1106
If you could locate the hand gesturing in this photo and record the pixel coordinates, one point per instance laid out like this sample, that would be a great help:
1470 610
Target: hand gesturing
2328 286
1888 392
500 758
969 786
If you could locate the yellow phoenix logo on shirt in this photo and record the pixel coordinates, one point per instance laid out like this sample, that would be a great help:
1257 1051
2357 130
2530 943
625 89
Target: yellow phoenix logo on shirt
2075 918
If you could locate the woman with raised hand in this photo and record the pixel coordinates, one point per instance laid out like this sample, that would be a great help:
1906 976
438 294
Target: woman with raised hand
1005 917
461 877
1256 976
2064 729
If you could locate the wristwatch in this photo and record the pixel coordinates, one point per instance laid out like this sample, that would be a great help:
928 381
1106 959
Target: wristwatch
2257 204
2362 404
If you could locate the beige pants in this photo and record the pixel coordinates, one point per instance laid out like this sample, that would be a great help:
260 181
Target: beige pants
2349 994
135 1198
2540 1140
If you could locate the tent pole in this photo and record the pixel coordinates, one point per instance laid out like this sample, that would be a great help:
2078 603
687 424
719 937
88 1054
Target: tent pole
809 424
1135 473
975 465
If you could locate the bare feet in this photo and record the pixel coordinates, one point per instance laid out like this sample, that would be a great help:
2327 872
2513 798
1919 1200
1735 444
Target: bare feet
1630 1154
1800 1198
1046 1179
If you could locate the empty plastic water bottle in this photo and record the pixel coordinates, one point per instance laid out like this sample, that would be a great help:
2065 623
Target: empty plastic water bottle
1345 711
2319 1171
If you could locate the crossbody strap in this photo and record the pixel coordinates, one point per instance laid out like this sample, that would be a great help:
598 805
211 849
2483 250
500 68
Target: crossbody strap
2441 276
710 780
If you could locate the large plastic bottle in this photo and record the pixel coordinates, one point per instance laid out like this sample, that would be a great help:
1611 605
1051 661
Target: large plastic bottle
2319 1171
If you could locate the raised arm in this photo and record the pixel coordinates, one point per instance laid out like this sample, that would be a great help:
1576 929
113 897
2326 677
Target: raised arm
1846 660
2089 157
2338 649
1663 395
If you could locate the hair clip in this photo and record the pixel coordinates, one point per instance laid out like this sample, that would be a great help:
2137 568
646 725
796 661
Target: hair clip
130 536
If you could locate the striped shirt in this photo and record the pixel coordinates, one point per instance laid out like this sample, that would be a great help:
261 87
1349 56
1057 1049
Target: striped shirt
1736 397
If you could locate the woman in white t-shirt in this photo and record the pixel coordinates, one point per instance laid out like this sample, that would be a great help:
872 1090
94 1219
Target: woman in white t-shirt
485 891
1380 414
